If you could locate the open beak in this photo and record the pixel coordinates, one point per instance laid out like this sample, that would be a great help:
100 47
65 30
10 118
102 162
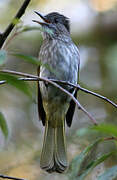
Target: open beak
42 17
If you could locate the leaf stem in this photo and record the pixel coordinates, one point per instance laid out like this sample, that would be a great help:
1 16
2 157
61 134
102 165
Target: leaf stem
21 11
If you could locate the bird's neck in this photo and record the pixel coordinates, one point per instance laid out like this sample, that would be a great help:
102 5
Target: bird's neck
60 37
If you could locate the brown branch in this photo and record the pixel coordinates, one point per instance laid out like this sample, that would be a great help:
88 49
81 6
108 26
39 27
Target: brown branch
98 95
10 39
110 138
35 78
56 85
74 99
21 11
19 73
3 37
9 177
87 91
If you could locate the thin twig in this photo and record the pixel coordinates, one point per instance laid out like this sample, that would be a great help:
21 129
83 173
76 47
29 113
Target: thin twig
110 138
21 11
18 32
9 177
98 95
3 37
9 40
56 85
74 99
35 78
2 82
87 91
19 73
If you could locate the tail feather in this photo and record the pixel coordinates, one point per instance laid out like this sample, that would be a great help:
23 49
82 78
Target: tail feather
53 156
60 149
46 160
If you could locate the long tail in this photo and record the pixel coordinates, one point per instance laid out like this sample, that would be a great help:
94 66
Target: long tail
53 156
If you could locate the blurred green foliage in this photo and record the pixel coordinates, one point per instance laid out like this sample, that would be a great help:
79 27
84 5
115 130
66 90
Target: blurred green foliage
3 125
14 81
3 55
84 163
109 174
98 45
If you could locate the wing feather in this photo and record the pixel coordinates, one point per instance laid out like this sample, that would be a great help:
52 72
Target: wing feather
70 112
41 111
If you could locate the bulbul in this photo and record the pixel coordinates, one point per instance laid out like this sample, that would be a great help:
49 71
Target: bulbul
54 106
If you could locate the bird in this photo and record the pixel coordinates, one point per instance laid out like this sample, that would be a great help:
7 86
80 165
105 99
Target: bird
54 106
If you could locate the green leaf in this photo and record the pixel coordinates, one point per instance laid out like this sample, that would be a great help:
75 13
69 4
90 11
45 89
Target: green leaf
3 125
29 59
83 164
20 85
3 55
79 163
93 164
109 174
35 61
106 128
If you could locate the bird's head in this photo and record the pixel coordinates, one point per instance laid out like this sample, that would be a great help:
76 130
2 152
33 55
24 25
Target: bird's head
53 24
